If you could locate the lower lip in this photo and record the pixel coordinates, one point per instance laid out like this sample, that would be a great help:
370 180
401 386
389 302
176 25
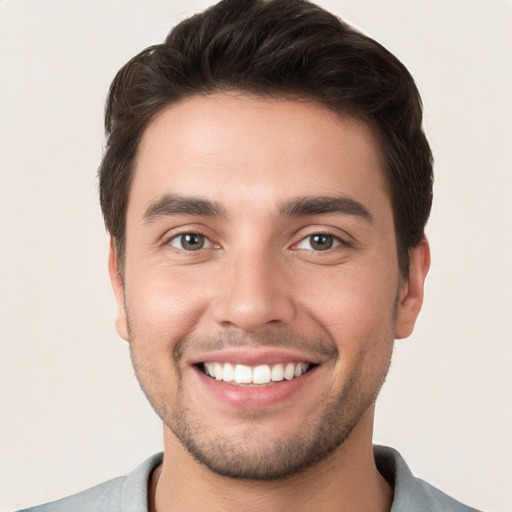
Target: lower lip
257 397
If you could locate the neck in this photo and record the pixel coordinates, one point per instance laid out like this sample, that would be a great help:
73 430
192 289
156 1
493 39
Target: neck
346 480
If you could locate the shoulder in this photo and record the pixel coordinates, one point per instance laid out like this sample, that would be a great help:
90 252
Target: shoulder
125 493
102 497
412 494
442 501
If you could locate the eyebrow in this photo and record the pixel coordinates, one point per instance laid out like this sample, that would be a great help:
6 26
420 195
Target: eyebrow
172 204
322 205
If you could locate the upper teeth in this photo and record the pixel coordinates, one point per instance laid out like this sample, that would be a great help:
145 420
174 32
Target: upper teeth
262 374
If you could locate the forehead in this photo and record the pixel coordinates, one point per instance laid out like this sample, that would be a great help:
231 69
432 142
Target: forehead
239 149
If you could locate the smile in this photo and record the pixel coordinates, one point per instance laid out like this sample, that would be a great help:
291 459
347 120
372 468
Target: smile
262 374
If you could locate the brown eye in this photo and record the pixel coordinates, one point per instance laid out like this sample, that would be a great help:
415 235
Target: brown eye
189 242
319 242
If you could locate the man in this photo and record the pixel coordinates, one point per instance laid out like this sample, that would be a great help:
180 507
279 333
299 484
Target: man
266 186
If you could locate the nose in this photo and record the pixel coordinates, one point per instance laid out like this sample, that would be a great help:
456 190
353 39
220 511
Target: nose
254 292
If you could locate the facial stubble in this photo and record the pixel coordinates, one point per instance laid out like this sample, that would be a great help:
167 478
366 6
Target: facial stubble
252 457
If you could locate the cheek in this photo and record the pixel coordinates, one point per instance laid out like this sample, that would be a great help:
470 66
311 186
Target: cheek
162 308
354 305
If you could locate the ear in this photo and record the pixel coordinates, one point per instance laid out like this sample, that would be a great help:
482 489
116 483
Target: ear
118 286
411 291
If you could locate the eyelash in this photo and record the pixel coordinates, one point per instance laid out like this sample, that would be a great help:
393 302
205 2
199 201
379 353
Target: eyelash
181 236
334 240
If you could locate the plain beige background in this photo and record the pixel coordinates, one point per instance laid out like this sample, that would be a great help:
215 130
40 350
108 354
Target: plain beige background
71 412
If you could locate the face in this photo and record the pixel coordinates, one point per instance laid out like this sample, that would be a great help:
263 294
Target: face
261 293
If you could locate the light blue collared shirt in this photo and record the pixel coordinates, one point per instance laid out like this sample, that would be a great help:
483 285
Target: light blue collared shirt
130 493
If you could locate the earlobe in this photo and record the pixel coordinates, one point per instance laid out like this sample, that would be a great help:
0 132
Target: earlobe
118 286
411 295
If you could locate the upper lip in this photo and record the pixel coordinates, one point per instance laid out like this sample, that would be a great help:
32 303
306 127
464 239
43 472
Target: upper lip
253 357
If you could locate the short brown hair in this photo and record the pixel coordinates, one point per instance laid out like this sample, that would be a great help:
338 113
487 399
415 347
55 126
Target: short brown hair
281 48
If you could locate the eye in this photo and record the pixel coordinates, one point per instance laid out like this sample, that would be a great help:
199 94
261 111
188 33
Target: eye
318 242
190 242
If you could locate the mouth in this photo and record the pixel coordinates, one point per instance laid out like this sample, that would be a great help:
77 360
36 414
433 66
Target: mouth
254 376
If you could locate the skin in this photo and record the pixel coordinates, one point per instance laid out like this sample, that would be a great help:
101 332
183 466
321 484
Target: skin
259 288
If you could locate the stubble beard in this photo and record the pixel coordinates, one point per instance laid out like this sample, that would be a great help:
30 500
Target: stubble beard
250 457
